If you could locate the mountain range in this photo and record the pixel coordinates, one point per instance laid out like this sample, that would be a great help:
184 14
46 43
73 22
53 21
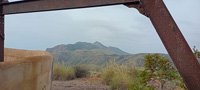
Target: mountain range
95 53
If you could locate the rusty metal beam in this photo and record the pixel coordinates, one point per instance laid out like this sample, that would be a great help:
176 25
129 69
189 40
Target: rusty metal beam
1 34
174 42
166 28
1 38
47 5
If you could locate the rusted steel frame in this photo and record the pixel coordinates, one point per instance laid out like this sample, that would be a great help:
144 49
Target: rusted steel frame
47 5
1 34
174 42
138 6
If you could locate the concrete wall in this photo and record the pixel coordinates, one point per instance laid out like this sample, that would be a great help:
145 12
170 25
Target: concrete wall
25 70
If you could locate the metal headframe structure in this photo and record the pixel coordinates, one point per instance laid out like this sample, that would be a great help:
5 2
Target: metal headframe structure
155 10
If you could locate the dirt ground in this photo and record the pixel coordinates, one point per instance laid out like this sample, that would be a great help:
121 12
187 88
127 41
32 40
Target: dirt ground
79 84
85 84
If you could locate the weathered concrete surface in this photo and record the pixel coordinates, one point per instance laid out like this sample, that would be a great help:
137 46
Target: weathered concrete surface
25 70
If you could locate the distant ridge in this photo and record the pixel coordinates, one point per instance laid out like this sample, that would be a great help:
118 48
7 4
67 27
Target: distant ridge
94 53
86 46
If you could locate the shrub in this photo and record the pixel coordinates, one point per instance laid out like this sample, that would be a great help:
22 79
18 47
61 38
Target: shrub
118 77
196 52
159 70
81 71
62 72
140 86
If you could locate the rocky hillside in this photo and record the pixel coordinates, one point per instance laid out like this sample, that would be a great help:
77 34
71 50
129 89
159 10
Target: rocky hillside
94 53
96 46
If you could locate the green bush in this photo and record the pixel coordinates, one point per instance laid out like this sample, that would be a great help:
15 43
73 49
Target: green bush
140 86
196 52
160 69
157 68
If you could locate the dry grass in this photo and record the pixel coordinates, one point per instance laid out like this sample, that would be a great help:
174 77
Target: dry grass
62 72
118 77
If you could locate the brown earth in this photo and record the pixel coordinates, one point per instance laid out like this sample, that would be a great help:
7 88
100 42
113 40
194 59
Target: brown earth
80 84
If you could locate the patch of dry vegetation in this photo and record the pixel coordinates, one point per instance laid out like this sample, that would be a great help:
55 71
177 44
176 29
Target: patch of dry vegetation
156 74
63 72
118 77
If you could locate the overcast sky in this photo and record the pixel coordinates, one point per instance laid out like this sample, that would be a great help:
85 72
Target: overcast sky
117 26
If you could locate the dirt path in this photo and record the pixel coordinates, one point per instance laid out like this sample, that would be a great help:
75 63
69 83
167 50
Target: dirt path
78 84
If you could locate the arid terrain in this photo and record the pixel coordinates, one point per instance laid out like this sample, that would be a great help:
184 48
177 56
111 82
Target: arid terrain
79 84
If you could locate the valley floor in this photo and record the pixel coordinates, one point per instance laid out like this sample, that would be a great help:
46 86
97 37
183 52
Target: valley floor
78 84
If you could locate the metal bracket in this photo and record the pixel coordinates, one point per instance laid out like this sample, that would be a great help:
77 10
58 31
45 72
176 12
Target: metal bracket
139 6
2 36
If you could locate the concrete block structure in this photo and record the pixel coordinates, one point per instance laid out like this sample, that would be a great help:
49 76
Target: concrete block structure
25 70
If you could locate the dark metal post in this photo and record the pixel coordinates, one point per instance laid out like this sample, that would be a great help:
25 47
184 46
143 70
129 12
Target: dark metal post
1 33
174 42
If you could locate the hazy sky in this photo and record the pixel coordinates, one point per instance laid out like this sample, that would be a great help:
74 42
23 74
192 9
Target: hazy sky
117 26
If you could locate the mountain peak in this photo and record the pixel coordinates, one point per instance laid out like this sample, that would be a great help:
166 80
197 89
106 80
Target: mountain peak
87 46
96 42
99 45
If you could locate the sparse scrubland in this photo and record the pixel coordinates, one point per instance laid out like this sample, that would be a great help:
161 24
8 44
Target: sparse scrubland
158 73
61 71
90 62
